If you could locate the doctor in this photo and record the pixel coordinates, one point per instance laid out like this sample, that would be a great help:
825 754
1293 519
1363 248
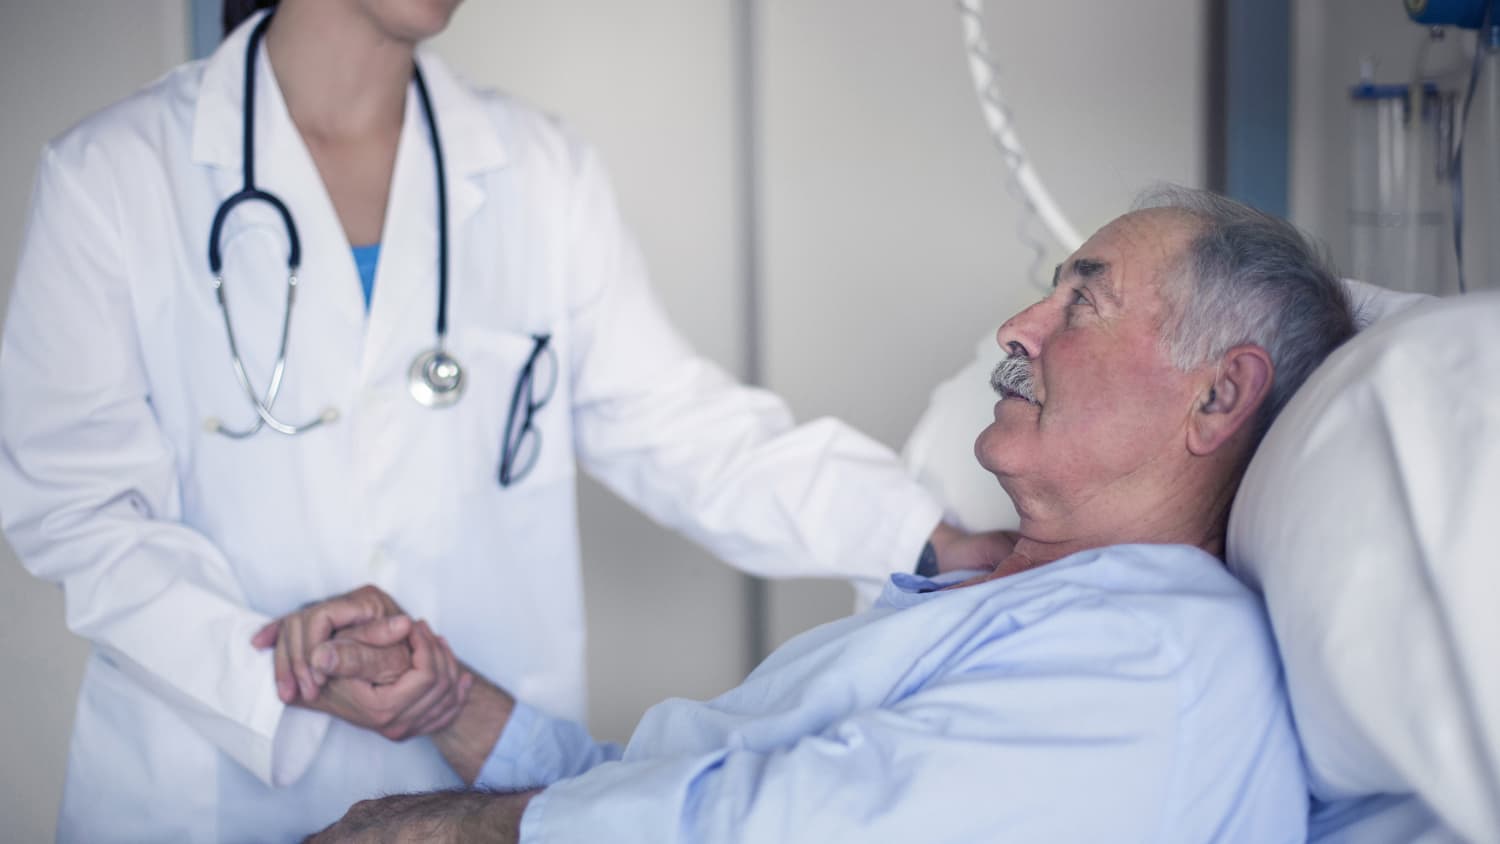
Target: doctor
314 313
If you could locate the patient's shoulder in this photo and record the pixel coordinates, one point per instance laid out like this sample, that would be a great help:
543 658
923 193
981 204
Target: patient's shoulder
1153 608
1150 656
1156 581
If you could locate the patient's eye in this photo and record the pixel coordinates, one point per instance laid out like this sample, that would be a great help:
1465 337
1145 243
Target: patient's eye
1076 297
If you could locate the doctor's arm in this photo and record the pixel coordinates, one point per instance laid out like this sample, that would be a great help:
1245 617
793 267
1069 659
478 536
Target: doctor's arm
722 462
89 491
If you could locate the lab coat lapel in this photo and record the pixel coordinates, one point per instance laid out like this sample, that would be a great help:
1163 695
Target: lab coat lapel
218 112
329 292
403 314
329 314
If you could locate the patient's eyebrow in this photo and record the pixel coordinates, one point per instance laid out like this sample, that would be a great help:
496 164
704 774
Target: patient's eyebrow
1090 267
1085 268
1091 270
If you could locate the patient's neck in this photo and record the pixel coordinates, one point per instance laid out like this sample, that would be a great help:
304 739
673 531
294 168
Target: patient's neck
1030 552
1190 511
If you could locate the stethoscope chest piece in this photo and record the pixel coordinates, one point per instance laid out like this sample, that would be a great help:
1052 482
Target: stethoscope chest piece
435 379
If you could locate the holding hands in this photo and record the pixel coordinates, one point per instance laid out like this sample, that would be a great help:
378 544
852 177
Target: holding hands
360 658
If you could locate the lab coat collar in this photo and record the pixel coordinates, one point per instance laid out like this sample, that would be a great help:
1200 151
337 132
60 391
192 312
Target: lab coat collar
471 142
406 275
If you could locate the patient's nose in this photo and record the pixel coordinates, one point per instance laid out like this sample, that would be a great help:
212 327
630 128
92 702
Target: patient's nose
1024 333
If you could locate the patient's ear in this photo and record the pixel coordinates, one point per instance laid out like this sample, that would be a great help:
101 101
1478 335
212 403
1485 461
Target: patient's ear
1229 403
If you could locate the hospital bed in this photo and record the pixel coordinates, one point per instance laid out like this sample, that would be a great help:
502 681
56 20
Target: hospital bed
1369 520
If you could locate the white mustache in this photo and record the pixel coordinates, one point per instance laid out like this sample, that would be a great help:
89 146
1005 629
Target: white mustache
1013 374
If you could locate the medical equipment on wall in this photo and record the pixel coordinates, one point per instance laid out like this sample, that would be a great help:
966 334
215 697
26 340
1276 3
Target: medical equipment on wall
1024 185
436 379
1398 215
1409 178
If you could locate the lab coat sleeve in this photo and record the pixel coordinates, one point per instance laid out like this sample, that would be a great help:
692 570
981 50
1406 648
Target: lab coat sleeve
89 494
1067 756
721 462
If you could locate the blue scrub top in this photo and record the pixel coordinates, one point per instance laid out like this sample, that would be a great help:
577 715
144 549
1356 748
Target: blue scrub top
366 258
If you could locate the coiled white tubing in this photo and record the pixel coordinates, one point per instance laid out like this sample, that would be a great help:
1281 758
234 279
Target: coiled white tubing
1032 193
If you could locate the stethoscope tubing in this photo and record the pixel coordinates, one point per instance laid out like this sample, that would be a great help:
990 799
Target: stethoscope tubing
442 203
250 193
265 418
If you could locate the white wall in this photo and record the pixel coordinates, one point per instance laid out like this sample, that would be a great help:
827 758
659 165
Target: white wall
889 245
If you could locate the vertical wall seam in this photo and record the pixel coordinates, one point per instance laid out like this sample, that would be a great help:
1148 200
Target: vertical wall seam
1215 110
746 110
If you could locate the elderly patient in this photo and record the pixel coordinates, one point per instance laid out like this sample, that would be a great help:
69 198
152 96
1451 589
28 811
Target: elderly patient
1108 680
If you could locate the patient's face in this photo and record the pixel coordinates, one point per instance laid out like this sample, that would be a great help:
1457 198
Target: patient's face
1108 402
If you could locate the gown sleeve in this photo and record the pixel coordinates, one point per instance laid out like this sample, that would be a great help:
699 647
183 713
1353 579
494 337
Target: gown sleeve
537 750
1012 744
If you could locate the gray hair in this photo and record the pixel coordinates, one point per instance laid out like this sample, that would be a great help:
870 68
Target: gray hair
1249 277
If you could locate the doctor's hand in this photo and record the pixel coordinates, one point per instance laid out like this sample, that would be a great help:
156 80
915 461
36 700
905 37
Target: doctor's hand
379 669
297 634
960 551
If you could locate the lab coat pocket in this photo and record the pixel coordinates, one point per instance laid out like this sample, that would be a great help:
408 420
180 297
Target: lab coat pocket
521 392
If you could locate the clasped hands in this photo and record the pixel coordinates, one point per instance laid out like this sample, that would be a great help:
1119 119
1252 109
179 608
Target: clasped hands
360 658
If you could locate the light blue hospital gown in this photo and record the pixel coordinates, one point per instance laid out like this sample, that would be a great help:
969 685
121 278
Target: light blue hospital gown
1127 694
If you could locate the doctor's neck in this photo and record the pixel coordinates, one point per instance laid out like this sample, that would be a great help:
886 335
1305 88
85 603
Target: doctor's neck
341 75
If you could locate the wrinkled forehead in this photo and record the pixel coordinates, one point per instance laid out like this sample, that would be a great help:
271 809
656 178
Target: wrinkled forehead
1132 257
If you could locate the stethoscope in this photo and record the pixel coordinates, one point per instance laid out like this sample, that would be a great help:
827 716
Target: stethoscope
435 379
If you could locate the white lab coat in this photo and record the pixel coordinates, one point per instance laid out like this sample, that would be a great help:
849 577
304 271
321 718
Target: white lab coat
172 544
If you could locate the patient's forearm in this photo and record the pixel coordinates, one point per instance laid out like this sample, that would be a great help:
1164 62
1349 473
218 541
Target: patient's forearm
435 817
467 742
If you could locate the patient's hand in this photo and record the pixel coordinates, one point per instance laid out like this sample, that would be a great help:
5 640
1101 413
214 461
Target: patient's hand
376 651
297 634
377 670
422 699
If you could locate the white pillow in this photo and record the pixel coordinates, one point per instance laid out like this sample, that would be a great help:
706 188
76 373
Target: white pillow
940 451
1373 304
1370 521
